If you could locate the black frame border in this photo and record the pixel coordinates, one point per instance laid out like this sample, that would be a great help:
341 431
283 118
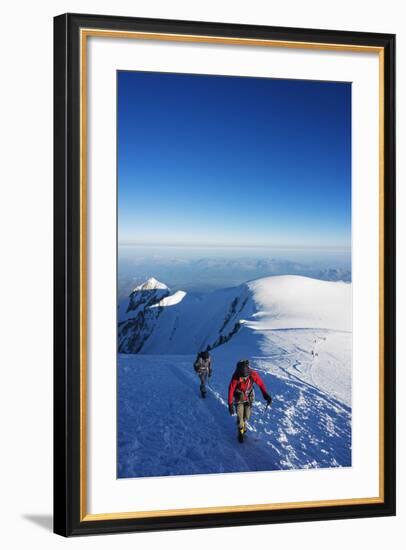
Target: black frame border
67 521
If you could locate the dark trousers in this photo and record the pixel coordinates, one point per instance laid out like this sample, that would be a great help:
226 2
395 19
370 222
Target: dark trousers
203 380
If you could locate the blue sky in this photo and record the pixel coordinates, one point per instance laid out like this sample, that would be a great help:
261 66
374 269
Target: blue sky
233 161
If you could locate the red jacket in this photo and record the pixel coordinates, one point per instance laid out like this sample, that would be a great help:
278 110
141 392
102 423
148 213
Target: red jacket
237 382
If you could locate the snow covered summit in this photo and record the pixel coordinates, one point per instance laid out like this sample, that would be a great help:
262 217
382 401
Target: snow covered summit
291 301
151 284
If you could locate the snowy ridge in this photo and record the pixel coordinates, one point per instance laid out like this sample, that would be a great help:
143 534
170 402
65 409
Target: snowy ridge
189 324
171 300
296 331
300 302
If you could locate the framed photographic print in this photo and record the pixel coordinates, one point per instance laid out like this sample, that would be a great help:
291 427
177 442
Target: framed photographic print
224 274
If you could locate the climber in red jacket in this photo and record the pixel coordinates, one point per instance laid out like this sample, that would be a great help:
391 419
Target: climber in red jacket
241 394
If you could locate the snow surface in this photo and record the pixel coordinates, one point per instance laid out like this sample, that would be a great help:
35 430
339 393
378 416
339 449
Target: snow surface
296 332
171 300
291 301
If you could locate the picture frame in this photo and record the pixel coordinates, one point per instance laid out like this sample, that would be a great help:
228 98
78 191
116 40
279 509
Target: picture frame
72 205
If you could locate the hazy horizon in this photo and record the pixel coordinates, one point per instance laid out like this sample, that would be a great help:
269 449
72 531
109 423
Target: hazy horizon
204 269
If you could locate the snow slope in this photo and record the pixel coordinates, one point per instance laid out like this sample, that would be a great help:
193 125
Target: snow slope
300 302
165 428
296 332
185 324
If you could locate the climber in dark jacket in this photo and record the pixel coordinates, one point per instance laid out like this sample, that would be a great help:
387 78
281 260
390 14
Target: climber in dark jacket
203 368
241 394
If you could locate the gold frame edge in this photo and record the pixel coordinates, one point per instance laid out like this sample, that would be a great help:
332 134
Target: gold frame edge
84 34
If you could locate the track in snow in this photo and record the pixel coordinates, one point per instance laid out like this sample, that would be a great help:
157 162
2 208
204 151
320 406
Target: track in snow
165 428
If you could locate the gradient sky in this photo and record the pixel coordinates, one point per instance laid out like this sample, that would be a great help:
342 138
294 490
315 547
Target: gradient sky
215 160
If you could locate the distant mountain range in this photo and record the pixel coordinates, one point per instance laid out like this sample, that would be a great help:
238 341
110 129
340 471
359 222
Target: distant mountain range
207 274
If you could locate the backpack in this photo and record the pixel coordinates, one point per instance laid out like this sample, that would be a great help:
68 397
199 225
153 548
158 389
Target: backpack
201 364
245 389
197 364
